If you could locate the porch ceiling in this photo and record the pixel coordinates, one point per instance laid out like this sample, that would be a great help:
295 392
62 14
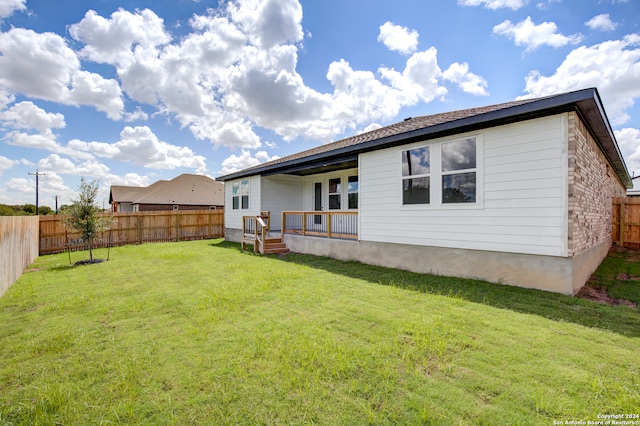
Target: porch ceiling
312 168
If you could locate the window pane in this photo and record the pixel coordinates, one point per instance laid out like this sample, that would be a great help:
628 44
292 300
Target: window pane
245 187
245 201
334 202
353 200
334 185
415 191
236 202
459 155
352 184
459 188
235 188
416 162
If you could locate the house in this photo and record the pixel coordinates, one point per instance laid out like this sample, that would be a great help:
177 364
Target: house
185 192
517 193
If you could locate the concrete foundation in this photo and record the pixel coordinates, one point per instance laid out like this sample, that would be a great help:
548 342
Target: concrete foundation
557 274
564 275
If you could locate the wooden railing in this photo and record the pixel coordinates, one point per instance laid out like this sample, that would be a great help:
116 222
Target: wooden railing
255 230
328 224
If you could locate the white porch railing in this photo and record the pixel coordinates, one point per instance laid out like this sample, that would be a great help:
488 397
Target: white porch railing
329 224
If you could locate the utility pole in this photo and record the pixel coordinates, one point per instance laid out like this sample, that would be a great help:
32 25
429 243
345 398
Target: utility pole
36 174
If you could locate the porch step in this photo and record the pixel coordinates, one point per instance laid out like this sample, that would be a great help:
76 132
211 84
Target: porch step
275 246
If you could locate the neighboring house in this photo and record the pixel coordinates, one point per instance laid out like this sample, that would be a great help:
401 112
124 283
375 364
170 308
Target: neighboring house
518 193
185 192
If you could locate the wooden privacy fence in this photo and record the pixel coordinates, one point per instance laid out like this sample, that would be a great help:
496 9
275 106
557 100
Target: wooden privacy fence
135 228
18 247
626 221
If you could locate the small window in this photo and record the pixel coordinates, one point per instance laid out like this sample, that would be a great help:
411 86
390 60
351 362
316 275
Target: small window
335 193
416 179
240 195
459 171
352 192
235 195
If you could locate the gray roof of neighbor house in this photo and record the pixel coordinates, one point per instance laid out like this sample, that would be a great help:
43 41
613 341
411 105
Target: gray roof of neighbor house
125 194
185 189
344 153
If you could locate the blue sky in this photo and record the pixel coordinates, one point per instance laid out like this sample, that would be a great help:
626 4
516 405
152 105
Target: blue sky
132 92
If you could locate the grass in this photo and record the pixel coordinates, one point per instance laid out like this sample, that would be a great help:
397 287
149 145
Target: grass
201 333
619 262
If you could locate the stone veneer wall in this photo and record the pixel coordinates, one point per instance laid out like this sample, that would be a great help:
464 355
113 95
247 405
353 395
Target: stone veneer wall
592 185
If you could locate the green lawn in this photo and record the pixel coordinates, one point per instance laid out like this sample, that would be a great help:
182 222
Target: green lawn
201 333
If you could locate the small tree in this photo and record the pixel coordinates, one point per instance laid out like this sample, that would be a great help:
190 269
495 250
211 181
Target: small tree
85 216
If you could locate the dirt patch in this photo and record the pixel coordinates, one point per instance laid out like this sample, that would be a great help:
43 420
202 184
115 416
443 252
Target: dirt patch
599 294
625 277
630 253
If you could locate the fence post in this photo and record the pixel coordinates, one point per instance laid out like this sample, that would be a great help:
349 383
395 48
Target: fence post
623 212
177 227
139 229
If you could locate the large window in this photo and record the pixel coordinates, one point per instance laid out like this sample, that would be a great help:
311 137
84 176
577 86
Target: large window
240 195
459 171
440 173
416 179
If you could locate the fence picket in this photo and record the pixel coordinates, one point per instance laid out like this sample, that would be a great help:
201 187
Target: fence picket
625 229
136 228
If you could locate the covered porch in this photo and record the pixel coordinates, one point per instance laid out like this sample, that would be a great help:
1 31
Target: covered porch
256 230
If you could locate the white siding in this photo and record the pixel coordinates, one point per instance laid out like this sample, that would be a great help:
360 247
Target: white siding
522 195
233 218
281 193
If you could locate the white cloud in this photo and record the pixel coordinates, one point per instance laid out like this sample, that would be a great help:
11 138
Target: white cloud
6 164
467 81
399 39
235 163
235 70
495 4
612 66
64 81
419 81
92 89
7 7
112 41
601 22
629 143
64 166
27 115
268 23
139 145
138 114
45 140
129 179
23 190
526 33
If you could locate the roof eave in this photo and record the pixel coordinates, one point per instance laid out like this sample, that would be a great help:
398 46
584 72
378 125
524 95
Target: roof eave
587 101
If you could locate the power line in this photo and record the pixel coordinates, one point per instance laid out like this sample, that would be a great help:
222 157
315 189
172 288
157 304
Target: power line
36 174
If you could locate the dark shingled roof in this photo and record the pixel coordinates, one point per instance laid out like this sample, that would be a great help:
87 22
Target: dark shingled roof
343 153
